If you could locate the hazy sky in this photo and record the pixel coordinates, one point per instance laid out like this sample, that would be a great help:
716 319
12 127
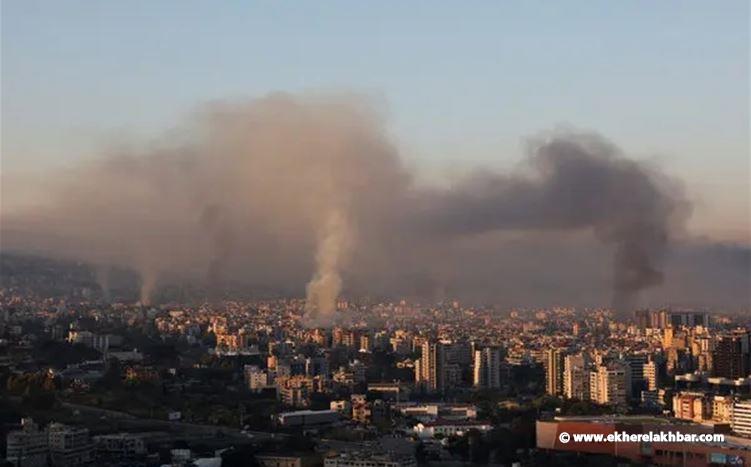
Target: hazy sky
459 82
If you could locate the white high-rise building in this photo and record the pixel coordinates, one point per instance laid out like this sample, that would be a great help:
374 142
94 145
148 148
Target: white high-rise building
554 371
611 383
431 369
740 418
487 368
576 377
652 375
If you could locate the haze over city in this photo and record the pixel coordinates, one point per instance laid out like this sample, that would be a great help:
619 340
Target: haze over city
75 184
375 234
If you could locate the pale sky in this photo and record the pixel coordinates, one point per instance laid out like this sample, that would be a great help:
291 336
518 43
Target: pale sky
461 83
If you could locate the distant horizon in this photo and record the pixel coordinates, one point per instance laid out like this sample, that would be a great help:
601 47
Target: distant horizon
238 290
128 283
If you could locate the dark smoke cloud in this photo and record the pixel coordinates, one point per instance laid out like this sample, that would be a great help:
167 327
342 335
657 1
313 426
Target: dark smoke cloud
307 193
577 181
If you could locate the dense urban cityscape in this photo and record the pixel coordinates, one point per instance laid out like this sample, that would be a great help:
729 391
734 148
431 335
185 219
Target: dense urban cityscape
375 234
236 383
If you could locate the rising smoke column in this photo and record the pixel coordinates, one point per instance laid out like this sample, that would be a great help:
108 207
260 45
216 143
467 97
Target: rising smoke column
149 281
102 277
334 243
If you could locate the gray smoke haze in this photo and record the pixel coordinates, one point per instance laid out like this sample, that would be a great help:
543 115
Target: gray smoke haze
286 191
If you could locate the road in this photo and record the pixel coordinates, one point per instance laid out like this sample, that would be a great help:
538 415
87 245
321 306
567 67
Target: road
173 426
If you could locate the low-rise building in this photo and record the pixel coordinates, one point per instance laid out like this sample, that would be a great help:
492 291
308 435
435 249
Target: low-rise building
447 428
70 446
120 445
256 380
369 459
273 459
389 391
307 417
27 446
722 409
429 412
693 406
343 406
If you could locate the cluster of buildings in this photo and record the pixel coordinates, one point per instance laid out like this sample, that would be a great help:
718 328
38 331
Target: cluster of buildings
666 355
603 380
707 407
394 366
57 445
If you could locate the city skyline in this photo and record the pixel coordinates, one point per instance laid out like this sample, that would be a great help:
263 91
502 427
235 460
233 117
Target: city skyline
375 234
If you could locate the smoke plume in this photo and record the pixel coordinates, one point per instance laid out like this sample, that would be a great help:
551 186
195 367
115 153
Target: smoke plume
334 242
285 191
102 276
